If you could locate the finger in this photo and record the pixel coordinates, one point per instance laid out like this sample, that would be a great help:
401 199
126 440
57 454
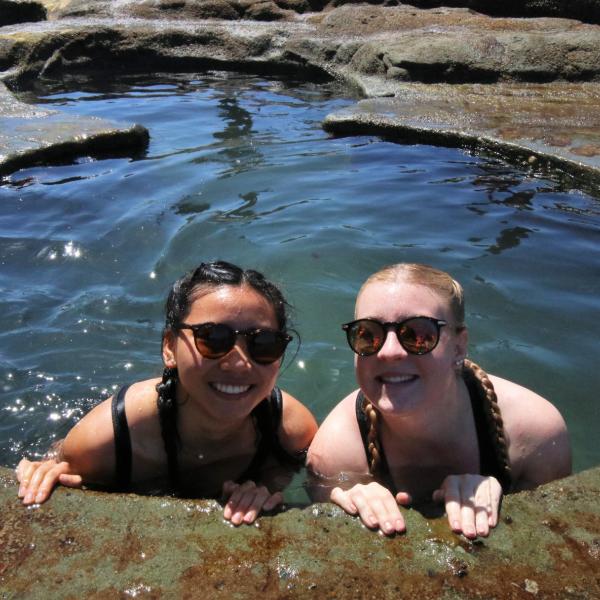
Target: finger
72 481
483 507
48 483
246 500
467 514
452 498
228 488
495 499
274 500
228 491
363 505
482 525
438 495
233 504
391 521
403 498
26 471
342 498
21 467
262 495
35 481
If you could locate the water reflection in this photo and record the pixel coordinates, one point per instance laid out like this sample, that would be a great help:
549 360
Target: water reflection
509 238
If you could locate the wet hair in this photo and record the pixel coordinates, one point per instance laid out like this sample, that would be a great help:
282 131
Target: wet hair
452 292
438 281
183 293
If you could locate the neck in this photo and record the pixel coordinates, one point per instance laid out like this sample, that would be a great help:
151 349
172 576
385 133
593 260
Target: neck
437 425
196 424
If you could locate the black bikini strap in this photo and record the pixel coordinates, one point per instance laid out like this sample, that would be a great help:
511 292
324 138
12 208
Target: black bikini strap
489 463
363 424
122 441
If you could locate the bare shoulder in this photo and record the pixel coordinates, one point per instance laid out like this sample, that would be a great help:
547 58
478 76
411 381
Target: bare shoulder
298 425
337 446
539 446
89 446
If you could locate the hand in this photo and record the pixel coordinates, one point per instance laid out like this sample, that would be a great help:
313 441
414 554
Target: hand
38 479
472 503
375 504
246 500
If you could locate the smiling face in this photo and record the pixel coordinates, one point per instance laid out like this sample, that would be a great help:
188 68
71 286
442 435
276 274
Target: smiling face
230 386
395 381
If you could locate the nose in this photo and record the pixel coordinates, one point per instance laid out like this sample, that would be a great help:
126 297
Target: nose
391 349
238 358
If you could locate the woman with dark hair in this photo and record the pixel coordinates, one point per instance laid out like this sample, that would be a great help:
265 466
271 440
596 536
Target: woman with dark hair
215 423
426 423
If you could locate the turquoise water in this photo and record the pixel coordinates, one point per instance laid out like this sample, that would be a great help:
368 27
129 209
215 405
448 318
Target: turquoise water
239 168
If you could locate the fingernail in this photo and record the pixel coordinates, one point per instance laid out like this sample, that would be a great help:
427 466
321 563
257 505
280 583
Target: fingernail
387 527
21 491
39 497
399 525
455 525
28 498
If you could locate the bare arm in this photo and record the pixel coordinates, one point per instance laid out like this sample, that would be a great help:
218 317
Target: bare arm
69 463
539 446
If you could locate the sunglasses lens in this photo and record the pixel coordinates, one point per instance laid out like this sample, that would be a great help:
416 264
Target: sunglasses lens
214 340
266 347
419 335
365 337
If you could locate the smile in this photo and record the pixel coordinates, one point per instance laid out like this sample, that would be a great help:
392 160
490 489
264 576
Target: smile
391 379
227 388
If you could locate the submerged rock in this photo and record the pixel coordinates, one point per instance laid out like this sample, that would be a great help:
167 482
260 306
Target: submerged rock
90 544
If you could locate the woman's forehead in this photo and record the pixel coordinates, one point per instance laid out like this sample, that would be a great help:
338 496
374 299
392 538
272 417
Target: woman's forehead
230 302
398 298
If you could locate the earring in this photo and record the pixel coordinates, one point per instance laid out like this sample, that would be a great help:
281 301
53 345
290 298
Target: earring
459 363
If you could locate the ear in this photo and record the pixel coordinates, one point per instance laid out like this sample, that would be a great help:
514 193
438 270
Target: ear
168 350
461 344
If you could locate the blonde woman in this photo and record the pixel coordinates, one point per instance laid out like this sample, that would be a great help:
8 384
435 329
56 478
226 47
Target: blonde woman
426 423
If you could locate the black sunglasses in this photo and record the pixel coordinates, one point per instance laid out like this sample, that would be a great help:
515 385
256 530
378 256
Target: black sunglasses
215 340
417 335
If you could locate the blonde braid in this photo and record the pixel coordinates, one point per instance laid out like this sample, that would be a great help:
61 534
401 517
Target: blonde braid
493 416
373 445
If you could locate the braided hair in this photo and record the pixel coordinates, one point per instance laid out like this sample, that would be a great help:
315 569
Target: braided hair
179 301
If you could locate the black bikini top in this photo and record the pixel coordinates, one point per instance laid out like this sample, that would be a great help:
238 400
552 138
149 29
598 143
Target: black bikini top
266 415
489 463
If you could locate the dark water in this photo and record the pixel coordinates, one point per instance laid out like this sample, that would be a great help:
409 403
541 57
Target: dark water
239 168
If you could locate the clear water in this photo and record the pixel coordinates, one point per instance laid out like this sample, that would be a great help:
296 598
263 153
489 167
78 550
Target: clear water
239 168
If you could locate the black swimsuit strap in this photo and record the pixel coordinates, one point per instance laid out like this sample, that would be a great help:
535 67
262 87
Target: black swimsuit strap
122 440
489 462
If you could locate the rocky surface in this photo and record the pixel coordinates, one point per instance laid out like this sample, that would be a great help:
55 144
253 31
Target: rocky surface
84 544
522 87
30 135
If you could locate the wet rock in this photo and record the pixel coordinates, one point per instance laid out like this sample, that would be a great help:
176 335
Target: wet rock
513 121
29 136
89 544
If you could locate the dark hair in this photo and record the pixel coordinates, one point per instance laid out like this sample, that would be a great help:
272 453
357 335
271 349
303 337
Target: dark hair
182 295
216 274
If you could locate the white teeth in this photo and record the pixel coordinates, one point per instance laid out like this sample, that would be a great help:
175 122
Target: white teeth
397 378
226 388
